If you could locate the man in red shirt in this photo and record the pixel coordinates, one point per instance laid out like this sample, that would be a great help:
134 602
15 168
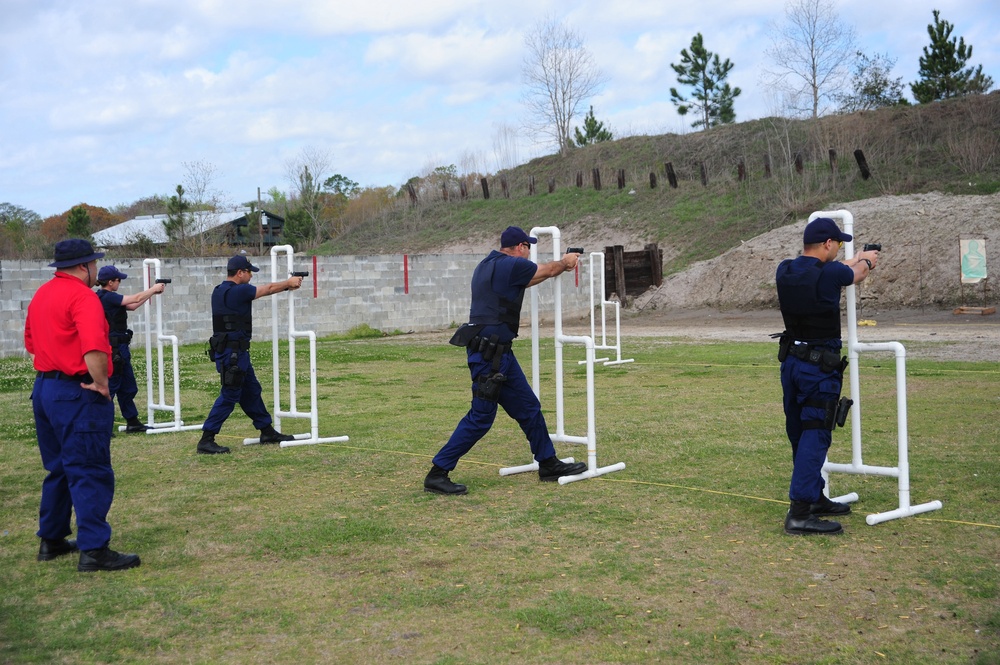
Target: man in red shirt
67 336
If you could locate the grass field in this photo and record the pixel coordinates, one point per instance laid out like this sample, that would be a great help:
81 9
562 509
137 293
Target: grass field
333 553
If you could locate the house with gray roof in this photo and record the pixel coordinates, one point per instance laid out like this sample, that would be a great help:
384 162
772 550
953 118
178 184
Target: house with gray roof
233 227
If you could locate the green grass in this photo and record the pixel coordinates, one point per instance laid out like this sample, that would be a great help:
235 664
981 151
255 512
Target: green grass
333 553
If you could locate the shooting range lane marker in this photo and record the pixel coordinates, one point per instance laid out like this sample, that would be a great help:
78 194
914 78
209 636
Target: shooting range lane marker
560 435
151 275
311 437
902 469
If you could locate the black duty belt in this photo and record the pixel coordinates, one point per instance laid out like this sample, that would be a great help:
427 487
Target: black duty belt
56 374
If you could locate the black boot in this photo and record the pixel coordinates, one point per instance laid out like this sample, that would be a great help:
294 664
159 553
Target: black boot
134 425
799 522
826 507
553 468
208 446
437 481
106 559
50 549
270 435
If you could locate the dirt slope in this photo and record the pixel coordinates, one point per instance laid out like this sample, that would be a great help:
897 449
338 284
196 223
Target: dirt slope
919 266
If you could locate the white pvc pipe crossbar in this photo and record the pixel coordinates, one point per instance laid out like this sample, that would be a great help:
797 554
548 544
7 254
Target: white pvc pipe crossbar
157 403
617 346
560 435
854 347
293 411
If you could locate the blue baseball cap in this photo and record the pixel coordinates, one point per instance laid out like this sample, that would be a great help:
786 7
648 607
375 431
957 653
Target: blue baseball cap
108 273
74 252
240 262
514 236
822 229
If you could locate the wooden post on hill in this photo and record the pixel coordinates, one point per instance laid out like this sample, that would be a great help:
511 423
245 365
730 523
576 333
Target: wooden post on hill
504 187
704 174
595 175
767 166
862 164
531 185
798 163
671 176
552 185
621 178
463 189
579 178
652 180
444 191
741 171
833 161
412 192
486 188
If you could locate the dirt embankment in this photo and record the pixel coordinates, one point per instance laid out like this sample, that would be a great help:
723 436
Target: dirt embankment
918 268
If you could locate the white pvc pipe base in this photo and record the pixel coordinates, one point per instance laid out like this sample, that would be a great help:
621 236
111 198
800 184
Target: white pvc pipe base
164 428
524 468
847 498
907 511
592 473
300 440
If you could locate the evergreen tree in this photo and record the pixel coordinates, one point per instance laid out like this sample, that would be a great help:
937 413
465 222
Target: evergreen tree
177 222
712 98
593 131
78 223
942 67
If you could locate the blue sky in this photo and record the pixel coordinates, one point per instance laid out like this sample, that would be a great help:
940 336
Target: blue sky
104 101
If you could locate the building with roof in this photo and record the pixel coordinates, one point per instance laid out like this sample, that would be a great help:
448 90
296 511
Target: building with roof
234 227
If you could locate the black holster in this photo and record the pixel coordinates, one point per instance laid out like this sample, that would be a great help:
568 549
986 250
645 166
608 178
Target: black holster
232 375
117 360
843 407
488 387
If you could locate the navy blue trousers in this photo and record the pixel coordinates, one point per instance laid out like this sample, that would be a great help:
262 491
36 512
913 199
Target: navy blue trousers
74 438
122 385
516 398
801 381
247 396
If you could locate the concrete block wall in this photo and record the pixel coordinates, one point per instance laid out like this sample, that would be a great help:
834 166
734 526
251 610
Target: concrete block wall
431 293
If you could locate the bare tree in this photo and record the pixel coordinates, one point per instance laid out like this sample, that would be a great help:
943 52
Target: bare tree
199 178
306 173
812 53
558 74
505 151
203 199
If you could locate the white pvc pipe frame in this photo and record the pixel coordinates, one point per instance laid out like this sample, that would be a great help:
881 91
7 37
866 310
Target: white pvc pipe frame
591 438
617 346
854 347
313 414
154 405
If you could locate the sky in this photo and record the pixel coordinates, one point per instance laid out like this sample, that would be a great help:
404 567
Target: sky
108 101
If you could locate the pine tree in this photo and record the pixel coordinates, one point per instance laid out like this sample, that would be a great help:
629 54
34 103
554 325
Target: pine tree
942 67
712 98
593 131
176 224
78 223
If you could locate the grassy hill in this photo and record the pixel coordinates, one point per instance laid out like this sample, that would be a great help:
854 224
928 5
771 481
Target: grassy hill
949 146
